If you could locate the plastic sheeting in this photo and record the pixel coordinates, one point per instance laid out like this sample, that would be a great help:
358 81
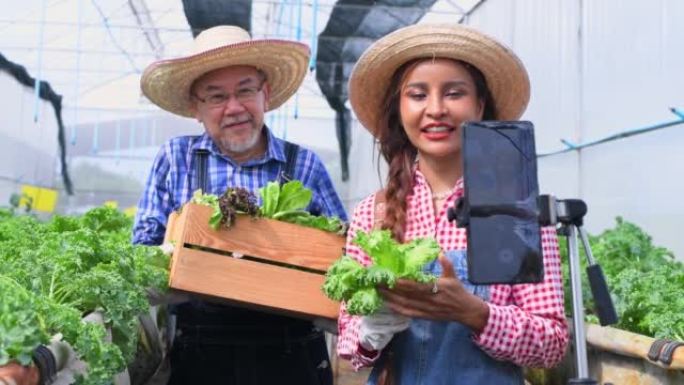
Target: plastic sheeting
203 14
353 26
48 94
597 69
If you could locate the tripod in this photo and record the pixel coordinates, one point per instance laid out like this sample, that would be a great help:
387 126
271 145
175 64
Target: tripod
570 214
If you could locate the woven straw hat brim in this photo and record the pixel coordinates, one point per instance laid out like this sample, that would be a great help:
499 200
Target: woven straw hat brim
504 73
167 82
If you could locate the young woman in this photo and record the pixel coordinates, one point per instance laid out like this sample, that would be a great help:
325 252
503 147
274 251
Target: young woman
412 90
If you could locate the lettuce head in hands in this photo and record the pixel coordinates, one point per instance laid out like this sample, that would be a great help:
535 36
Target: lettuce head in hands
347 280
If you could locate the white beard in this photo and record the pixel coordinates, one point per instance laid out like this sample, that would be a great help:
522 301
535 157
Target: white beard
244 146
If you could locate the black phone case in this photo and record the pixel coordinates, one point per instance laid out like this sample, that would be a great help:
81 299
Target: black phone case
501 190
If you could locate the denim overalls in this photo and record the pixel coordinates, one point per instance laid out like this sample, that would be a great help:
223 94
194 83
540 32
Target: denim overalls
443 353
222 344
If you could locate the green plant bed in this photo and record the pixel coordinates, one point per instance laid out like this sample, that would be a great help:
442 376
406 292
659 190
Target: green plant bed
53 273
646 284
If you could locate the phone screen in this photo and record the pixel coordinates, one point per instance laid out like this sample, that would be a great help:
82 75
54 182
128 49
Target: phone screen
501 190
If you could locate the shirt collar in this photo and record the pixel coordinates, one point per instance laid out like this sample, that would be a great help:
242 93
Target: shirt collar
275 149
421 182
204 142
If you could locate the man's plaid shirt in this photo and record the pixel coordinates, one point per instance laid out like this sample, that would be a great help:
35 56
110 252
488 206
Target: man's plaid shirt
171 181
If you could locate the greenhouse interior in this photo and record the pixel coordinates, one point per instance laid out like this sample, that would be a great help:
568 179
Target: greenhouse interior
207 191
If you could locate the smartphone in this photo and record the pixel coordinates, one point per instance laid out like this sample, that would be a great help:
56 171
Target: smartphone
500 197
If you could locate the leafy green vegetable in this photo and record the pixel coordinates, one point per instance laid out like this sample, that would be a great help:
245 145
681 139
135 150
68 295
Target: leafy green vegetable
330 224
404 260
270 195
364 301
343 278
291 216
235 200
54 273
293 196
348 280
20 327
210 200
645 282
288 203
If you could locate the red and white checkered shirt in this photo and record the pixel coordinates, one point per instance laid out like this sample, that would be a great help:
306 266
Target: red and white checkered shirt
526 322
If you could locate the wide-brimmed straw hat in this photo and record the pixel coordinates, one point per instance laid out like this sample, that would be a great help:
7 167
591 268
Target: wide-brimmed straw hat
504 73
167 82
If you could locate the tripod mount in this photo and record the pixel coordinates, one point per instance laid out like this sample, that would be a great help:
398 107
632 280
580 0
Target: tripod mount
568 216
569 213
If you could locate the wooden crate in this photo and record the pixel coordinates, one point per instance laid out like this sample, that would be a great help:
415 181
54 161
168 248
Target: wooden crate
282 270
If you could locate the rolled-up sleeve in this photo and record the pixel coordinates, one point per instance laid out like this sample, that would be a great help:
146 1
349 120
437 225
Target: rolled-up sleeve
325 195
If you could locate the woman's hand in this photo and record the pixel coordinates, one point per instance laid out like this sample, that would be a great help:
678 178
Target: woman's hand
450 302
377 330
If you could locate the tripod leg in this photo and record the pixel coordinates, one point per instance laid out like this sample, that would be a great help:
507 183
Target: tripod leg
599 288
577 310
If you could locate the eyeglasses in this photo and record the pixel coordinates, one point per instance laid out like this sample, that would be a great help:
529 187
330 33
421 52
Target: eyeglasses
220 98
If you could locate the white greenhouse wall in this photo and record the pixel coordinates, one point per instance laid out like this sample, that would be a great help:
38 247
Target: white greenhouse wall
597 68
29 152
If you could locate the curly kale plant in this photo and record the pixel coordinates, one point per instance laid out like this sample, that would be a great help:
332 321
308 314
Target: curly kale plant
645 281
54 273
20 327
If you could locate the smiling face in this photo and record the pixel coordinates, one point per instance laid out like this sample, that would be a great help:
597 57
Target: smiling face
230 102
436 96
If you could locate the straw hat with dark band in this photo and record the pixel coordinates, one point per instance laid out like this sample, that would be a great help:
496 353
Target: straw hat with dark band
167 83
504 73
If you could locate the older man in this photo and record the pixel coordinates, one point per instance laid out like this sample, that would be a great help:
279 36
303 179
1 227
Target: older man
227 84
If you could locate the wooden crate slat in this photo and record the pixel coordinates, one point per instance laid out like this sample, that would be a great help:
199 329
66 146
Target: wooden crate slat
174 227
263 238
251 282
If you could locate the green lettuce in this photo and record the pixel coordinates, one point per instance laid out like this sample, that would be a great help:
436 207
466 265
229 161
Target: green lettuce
347 280
212 201
288 203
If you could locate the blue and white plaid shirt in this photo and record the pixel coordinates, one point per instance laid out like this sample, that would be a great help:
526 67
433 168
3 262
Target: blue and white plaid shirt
170 183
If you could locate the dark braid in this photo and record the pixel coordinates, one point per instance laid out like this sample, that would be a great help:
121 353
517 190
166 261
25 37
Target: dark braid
400 155
399 152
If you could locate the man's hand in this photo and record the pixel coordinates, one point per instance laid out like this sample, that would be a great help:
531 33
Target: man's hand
377 330
16 374
168 297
